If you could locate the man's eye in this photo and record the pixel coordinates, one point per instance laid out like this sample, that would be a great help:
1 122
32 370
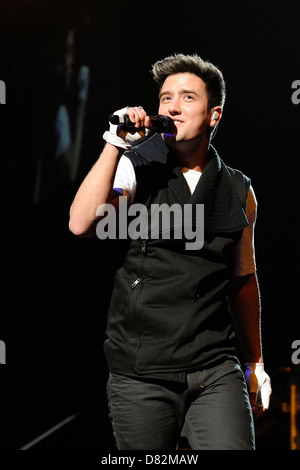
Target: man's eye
165 99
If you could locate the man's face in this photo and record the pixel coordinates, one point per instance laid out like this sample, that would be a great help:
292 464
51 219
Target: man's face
183 98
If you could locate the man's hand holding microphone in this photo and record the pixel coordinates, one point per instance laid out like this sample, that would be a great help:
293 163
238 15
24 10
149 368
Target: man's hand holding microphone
130 125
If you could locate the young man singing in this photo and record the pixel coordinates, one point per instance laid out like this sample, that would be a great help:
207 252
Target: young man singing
177 315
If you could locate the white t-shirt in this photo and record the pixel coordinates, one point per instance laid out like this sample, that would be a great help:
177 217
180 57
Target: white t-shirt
244 253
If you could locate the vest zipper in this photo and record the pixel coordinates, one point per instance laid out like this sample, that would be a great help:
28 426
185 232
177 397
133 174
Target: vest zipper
133 309
135 283
144 246
133 304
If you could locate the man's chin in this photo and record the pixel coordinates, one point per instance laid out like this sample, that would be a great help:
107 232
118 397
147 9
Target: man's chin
176 139
170 137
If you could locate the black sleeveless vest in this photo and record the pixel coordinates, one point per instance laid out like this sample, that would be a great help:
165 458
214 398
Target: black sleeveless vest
169 310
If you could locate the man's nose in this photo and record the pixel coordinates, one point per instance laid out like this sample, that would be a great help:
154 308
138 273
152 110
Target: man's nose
174 106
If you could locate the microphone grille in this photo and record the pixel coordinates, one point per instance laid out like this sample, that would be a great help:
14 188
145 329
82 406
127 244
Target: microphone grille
114 119
167 123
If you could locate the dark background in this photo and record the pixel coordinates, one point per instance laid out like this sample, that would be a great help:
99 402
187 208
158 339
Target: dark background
54 287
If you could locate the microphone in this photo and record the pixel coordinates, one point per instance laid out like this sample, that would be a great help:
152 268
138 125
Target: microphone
160 123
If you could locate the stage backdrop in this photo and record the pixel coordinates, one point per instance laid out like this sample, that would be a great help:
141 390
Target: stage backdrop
67 65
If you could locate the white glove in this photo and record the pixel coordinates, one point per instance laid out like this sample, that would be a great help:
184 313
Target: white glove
258 382
119 138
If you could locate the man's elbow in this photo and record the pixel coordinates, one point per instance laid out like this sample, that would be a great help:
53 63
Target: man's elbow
80 228
237 283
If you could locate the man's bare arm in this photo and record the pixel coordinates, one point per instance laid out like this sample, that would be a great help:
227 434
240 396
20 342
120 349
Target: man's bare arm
244 298
96 189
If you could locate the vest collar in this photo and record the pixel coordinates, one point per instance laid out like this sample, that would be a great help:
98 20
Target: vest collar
223 211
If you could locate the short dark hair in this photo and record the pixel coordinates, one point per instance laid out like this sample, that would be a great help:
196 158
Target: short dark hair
209 73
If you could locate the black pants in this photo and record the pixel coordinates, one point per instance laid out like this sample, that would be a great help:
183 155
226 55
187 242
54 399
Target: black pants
212 411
